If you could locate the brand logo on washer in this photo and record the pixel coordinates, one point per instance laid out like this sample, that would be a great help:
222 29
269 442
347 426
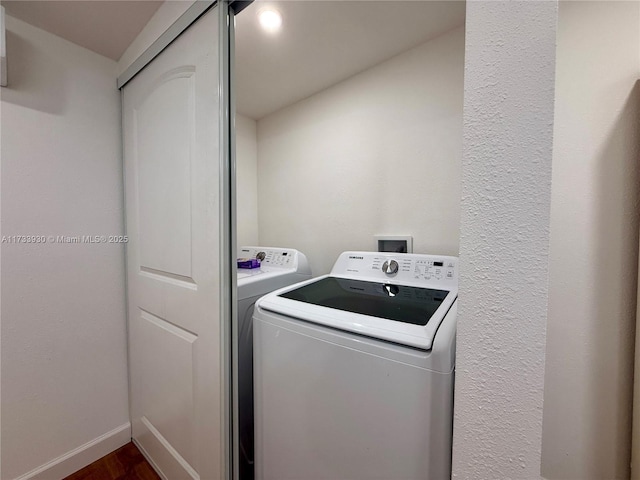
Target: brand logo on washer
353 257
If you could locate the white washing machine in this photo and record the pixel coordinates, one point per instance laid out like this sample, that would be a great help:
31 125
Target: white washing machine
353 371
279 267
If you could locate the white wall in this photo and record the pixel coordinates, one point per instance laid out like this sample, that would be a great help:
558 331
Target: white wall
635 434
64 375
376 154
594 242
506 191
247 181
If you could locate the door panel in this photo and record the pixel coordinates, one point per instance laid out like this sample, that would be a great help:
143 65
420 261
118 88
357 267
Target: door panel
164 173
169 398
172 176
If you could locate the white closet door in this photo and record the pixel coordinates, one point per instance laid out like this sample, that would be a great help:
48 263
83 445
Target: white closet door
171 151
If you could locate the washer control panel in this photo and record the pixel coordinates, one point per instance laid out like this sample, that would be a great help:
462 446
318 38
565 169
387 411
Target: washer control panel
399 268
272 257
435 269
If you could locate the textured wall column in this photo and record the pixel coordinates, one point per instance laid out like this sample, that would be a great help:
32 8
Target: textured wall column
506 189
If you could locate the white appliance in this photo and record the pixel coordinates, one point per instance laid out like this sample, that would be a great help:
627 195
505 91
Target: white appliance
279 267
353 371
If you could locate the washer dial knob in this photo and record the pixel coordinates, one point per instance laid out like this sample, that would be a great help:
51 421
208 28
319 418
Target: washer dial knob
390 267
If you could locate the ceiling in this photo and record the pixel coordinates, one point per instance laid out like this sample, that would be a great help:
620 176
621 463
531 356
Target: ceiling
321 43
105 27
324 42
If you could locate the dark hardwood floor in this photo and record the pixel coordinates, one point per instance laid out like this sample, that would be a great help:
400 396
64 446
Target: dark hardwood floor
126 463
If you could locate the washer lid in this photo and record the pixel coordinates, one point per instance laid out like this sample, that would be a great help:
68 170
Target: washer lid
400 303
408 315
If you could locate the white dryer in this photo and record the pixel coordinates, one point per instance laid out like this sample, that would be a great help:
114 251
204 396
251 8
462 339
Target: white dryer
279 267
353 371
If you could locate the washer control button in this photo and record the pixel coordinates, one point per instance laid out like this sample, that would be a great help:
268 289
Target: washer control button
390 267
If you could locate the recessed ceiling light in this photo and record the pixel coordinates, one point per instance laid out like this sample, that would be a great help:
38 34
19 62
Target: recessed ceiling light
270 19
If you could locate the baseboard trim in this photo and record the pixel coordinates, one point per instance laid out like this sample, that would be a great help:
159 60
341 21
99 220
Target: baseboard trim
151 461
82 456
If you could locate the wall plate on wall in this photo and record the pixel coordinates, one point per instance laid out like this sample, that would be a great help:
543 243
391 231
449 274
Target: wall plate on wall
394 243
